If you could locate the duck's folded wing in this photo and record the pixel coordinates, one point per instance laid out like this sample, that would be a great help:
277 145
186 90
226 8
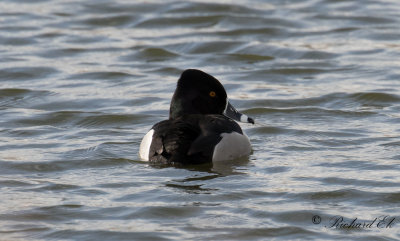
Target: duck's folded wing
212 127
171 140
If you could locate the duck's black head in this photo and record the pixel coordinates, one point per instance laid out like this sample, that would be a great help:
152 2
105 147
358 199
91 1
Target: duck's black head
200 93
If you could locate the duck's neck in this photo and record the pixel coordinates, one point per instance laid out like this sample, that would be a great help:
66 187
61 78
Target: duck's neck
176 108
182 105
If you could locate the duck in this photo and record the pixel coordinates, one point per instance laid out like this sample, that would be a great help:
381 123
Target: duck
201 128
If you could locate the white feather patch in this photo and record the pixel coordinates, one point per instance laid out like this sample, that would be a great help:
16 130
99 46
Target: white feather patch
145 146
233 145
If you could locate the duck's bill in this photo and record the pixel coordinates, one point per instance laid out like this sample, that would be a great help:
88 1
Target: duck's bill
232 113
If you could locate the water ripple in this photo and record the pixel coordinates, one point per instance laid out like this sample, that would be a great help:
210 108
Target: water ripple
82 82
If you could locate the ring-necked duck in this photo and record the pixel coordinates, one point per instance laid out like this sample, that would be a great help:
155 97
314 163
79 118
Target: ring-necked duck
201 126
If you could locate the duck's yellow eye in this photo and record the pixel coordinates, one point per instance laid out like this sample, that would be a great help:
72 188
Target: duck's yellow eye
212 93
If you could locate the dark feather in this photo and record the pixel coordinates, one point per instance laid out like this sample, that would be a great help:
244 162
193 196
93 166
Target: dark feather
189 139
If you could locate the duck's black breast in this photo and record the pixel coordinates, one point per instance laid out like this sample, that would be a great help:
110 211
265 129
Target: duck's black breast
189 139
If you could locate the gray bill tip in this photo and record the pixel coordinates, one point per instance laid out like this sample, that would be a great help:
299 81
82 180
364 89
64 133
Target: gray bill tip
244 118
250 120
231 112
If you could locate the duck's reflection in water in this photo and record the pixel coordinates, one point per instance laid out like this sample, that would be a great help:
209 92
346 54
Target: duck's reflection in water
200 175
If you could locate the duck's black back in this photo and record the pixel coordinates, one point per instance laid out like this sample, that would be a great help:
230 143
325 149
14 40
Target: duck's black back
189 139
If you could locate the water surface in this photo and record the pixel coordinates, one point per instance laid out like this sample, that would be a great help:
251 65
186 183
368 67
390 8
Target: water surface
81 82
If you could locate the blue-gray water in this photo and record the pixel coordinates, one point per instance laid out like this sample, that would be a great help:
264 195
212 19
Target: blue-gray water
81 82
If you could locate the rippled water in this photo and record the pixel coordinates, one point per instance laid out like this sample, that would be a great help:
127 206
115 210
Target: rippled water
82 81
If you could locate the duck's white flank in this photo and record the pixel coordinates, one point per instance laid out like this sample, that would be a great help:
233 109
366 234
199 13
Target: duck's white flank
145 145
233 145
